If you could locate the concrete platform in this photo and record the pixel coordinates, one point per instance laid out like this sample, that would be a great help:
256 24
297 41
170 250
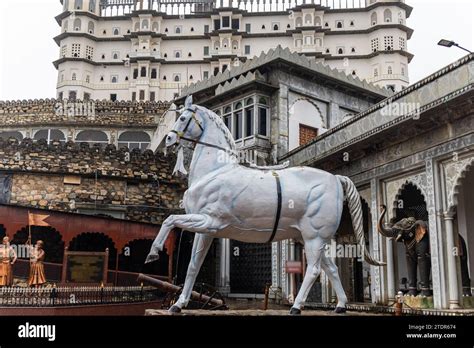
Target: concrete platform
254 313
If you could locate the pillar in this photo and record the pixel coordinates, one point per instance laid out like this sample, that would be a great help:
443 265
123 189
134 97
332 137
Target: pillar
224 269
451 258
390 271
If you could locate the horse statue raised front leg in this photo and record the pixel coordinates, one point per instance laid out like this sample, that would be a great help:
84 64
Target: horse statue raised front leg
227 200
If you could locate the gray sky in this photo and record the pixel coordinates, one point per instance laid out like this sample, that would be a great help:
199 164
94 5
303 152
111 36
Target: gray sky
27 28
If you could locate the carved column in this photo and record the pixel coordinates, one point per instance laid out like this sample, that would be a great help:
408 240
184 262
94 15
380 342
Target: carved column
376 241
224 269
276 278
451 258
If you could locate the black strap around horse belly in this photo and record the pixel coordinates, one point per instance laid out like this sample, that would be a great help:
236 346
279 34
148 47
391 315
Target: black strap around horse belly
278 212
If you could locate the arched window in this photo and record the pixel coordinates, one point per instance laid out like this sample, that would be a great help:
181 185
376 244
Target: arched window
216 45
177 54
74 77
88 79
177 30
137 26
176 78
77 24
298 22
65 26
387 16
308 40
114 79
155 27
275 27
134 140
154 73
389 70
50 135
235 44
339 25
116 31
225 43
78 4
376 72
145 24
373 18
90 28
92 5
14 134
143 72
317 21
306 123
115 56
308 19
92 137
190 54
340 51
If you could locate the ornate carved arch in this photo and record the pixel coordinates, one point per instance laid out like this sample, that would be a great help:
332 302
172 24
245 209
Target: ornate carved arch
320 114
455 173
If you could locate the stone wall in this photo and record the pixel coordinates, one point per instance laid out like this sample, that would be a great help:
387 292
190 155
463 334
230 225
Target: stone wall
52 111
68 176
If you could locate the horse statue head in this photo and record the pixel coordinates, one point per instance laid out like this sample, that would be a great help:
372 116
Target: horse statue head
189 125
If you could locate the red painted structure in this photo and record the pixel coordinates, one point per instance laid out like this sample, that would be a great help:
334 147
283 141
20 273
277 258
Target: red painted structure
70 225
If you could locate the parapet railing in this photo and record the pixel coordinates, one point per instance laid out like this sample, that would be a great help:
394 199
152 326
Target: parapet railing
182 7
76 296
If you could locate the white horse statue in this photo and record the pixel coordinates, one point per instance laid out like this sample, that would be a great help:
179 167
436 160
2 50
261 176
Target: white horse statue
228 200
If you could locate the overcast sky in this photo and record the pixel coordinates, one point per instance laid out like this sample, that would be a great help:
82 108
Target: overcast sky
27 28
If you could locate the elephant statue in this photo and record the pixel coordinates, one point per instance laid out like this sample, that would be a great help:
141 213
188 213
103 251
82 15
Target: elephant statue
414 234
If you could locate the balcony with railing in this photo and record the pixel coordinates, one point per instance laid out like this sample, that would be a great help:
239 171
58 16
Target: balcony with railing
146 54
386 77
176 7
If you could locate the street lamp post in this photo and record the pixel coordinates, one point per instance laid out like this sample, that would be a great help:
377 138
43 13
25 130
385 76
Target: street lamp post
450 43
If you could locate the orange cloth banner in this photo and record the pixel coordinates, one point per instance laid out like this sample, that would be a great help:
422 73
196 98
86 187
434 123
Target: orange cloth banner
37 220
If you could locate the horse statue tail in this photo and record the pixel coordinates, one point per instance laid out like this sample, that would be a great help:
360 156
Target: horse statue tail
355 208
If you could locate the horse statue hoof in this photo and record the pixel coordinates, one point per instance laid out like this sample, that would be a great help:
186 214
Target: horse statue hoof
174 309
295 311
340 310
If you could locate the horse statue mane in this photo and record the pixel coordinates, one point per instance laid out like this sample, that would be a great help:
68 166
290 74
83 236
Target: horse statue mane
220 125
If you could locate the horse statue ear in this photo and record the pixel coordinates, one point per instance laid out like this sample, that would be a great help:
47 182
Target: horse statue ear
189 101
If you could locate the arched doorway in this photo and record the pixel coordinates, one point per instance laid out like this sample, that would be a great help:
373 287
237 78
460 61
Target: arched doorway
95 241
133 256
250 267
3 231
305 123
464 223
354 273
53 243
410 202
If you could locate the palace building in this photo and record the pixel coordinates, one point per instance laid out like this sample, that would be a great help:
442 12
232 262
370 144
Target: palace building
152 49
321 83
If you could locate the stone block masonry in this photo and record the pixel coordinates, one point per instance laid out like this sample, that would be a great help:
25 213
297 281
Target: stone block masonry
69 176
98 113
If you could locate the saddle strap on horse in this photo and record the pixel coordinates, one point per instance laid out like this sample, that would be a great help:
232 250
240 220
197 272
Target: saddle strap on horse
278 212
